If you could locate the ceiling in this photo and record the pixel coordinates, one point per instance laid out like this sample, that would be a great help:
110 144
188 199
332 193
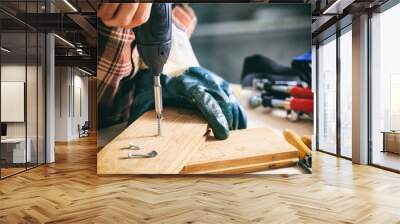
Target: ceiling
331 15
74 22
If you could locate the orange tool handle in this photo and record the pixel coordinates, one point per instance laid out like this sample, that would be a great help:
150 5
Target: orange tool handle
295 140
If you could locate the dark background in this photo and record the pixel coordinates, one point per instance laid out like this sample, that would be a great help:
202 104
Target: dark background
228 32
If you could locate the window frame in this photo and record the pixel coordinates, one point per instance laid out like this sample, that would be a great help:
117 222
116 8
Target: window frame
340 31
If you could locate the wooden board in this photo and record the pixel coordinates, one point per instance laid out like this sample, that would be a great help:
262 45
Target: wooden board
250 168
183 133
248 150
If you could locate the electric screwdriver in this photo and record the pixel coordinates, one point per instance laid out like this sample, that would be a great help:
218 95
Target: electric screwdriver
153 40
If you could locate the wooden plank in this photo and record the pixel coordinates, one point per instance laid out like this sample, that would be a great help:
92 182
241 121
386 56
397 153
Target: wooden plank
247 150
183 133
250 168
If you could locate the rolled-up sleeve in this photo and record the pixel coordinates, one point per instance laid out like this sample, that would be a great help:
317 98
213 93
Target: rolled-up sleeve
114 63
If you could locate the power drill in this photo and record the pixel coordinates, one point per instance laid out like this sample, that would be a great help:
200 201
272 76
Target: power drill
153 40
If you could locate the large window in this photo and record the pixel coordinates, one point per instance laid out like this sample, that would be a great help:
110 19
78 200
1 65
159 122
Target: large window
385 89
332 78
22 77
327 96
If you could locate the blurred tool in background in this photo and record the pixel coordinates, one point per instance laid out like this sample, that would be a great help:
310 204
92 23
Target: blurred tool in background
302 64
261 67
283 88
278 86
295 107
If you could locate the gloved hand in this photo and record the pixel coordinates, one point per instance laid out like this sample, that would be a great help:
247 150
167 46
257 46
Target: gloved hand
195 88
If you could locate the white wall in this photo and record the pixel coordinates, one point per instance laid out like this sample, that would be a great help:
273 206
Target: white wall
71 93
61 103
33 127
80 111
16 73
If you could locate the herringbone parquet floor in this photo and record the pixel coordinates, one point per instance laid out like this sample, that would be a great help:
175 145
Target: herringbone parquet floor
69 191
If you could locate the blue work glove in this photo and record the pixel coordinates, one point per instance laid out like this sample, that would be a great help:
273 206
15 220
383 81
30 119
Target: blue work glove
196 88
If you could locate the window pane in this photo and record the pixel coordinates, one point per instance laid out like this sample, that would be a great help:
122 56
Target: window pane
327 97
22 88
14 153
346 94
386 88
41 99
32 97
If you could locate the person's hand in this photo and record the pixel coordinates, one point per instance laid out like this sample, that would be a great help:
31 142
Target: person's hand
196 88
185 18
124 15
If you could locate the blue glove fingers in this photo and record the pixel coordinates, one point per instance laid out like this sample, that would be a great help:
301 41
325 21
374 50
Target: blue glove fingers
237 110
222 92
195 79
242 118
235 113
212 111
224 102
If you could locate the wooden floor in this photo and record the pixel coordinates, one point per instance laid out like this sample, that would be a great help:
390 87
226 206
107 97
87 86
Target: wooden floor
10 171
386 159
70 191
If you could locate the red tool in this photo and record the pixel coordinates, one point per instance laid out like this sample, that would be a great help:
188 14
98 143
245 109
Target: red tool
302 105
295 106
294 91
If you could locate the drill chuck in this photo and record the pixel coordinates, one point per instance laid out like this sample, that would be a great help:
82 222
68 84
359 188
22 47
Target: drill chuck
154 37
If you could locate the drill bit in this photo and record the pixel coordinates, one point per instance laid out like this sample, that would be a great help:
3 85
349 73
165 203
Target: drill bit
158 102
154 42
159 126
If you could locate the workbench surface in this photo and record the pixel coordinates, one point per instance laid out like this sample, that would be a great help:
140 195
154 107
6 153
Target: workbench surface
186 138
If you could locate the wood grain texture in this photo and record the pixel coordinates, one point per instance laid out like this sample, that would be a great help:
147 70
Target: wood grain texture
246 150
183 133
70 191
242 169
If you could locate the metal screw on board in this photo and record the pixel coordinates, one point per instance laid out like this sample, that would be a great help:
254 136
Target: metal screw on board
132 155
130 147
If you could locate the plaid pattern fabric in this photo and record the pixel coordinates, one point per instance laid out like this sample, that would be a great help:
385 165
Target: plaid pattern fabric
118 61
114 63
